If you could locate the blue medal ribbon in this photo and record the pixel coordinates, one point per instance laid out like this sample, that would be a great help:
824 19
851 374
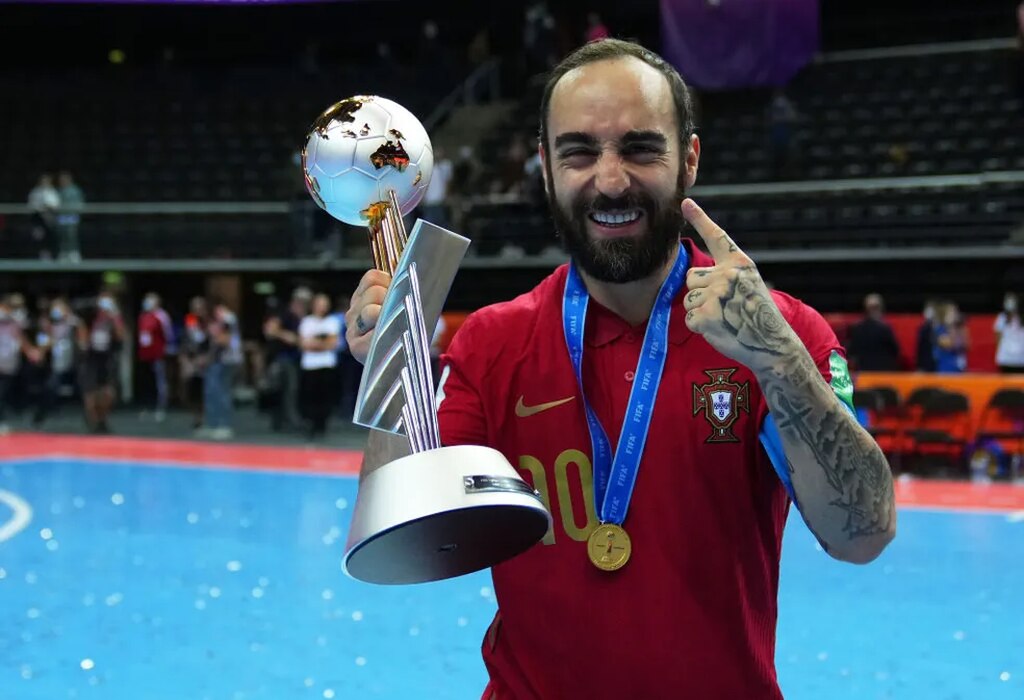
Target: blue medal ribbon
615 476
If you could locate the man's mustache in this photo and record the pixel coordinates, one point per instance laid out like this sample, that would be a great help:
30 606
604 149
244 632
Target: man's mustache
603 203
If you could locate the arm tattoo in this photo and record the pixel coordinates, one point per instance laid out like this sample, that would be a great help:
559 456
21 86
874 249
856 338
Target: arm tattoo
855 469
796 502
858 481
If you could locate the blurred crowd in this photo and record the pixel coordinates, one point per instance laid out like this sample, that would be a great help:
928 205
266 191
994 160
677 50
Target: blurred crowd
296 368
943 339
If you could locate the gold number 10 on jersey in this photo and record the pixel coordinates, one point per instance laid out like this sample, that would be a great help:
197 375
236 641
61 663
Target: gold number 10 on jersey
566 497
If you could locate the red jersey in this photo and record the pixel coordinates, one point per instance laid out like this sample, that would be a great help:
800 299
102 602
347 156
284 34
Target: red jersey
693 612
152 336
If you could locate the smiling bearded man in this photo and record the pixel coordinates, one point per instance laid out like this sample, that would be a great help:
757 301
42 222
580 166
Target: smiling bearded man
667 407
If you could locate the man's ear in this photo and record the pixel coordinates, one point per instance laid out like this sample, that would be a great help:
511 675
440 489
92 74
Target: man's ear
691 161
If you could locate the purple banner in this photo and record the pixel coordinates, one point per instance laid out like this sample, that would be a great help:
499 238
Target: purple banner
719 44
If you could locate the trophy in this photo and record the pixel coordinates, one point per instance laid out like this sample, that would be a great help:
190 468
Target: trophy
441 511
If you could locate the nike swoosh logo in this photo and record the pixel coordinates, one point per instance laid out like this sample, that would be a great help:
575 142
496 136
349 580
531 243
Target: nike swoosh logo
524 411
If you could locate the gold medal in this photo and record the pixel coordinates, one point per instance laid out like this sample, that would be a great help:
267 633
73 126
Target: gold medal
609 547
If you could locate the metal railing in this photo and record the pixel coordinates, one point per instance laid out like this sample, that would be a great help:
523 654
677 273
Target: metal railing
483 84
739 190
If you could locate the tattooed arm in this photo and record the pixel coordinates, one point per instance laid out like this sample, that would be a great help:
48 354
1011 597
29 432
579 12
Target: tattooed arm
841 479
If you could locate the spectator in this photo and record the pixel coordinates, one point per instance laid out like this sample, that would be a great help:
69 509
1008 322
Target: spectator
318 334
224 357
782 117
281 330
100 340
44 203
430 51
72 201
1010 335
59 358
435 200
37 374
19 310
533 174
12 345
192 359
951 340
926 338
873 346
462 184
155 335
512 172
539 39
479 49
596 29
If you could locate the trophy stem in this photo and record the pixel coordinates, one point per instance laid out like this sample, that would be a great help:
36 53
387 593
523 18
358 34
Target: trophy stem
395 213
388 236
378 259
388 246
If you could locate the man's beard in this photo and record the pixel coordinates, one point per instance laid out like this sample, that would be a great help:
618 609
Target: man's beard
626 258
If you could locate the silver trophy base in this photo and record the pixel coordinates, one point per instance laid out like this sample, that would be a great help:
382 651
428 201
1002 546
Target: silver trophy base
441 513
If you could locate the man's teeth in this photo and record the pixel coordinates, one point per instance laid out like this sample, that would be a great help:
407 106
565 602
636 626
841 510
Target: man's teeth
616 218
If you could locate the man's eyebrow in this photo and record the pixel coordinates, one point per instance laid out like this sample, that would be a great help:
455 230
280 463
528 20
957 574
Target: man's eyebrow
635 136
575 137
644 136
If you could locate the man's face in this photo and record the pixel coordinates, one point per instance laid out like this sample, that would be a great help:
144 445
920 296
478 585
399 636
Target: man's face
615 171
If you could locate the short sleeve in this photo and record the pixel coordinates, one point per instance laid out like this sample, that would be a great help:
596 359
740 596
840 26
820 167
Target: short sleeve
460 407
1000 324
828 354
304 328
830 359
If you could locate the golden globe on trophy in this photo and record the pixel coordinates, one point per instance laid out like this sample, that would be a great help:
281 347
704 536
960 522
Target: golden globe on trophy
441 511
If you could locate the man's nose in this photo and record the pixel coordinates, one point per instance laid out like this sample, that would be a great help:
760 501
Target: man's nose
611 180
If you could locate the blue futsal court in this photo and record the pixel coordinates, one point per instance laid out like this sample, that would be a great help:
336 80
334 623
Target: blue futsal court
123 581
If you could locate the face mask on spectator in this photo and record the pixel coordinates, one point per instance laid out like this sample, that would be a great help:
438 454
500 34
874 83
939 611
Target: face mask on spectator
56 314
148 304
1010 305
106 304
19 315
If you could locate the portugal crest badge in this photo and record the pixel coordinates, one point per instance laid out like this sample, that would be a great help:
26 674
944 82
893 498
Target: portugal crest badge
721 400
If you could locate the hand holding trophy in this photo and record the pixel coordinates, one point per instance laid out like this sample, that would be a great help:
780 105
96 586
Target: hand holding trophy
441 511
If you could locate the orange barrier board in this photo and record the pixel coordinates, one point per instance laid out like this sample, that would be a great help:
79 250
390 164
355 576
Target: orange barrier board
978 388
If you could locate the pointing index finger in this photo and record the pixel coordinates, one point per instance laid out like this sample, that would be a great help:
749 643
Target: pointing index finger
718 242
